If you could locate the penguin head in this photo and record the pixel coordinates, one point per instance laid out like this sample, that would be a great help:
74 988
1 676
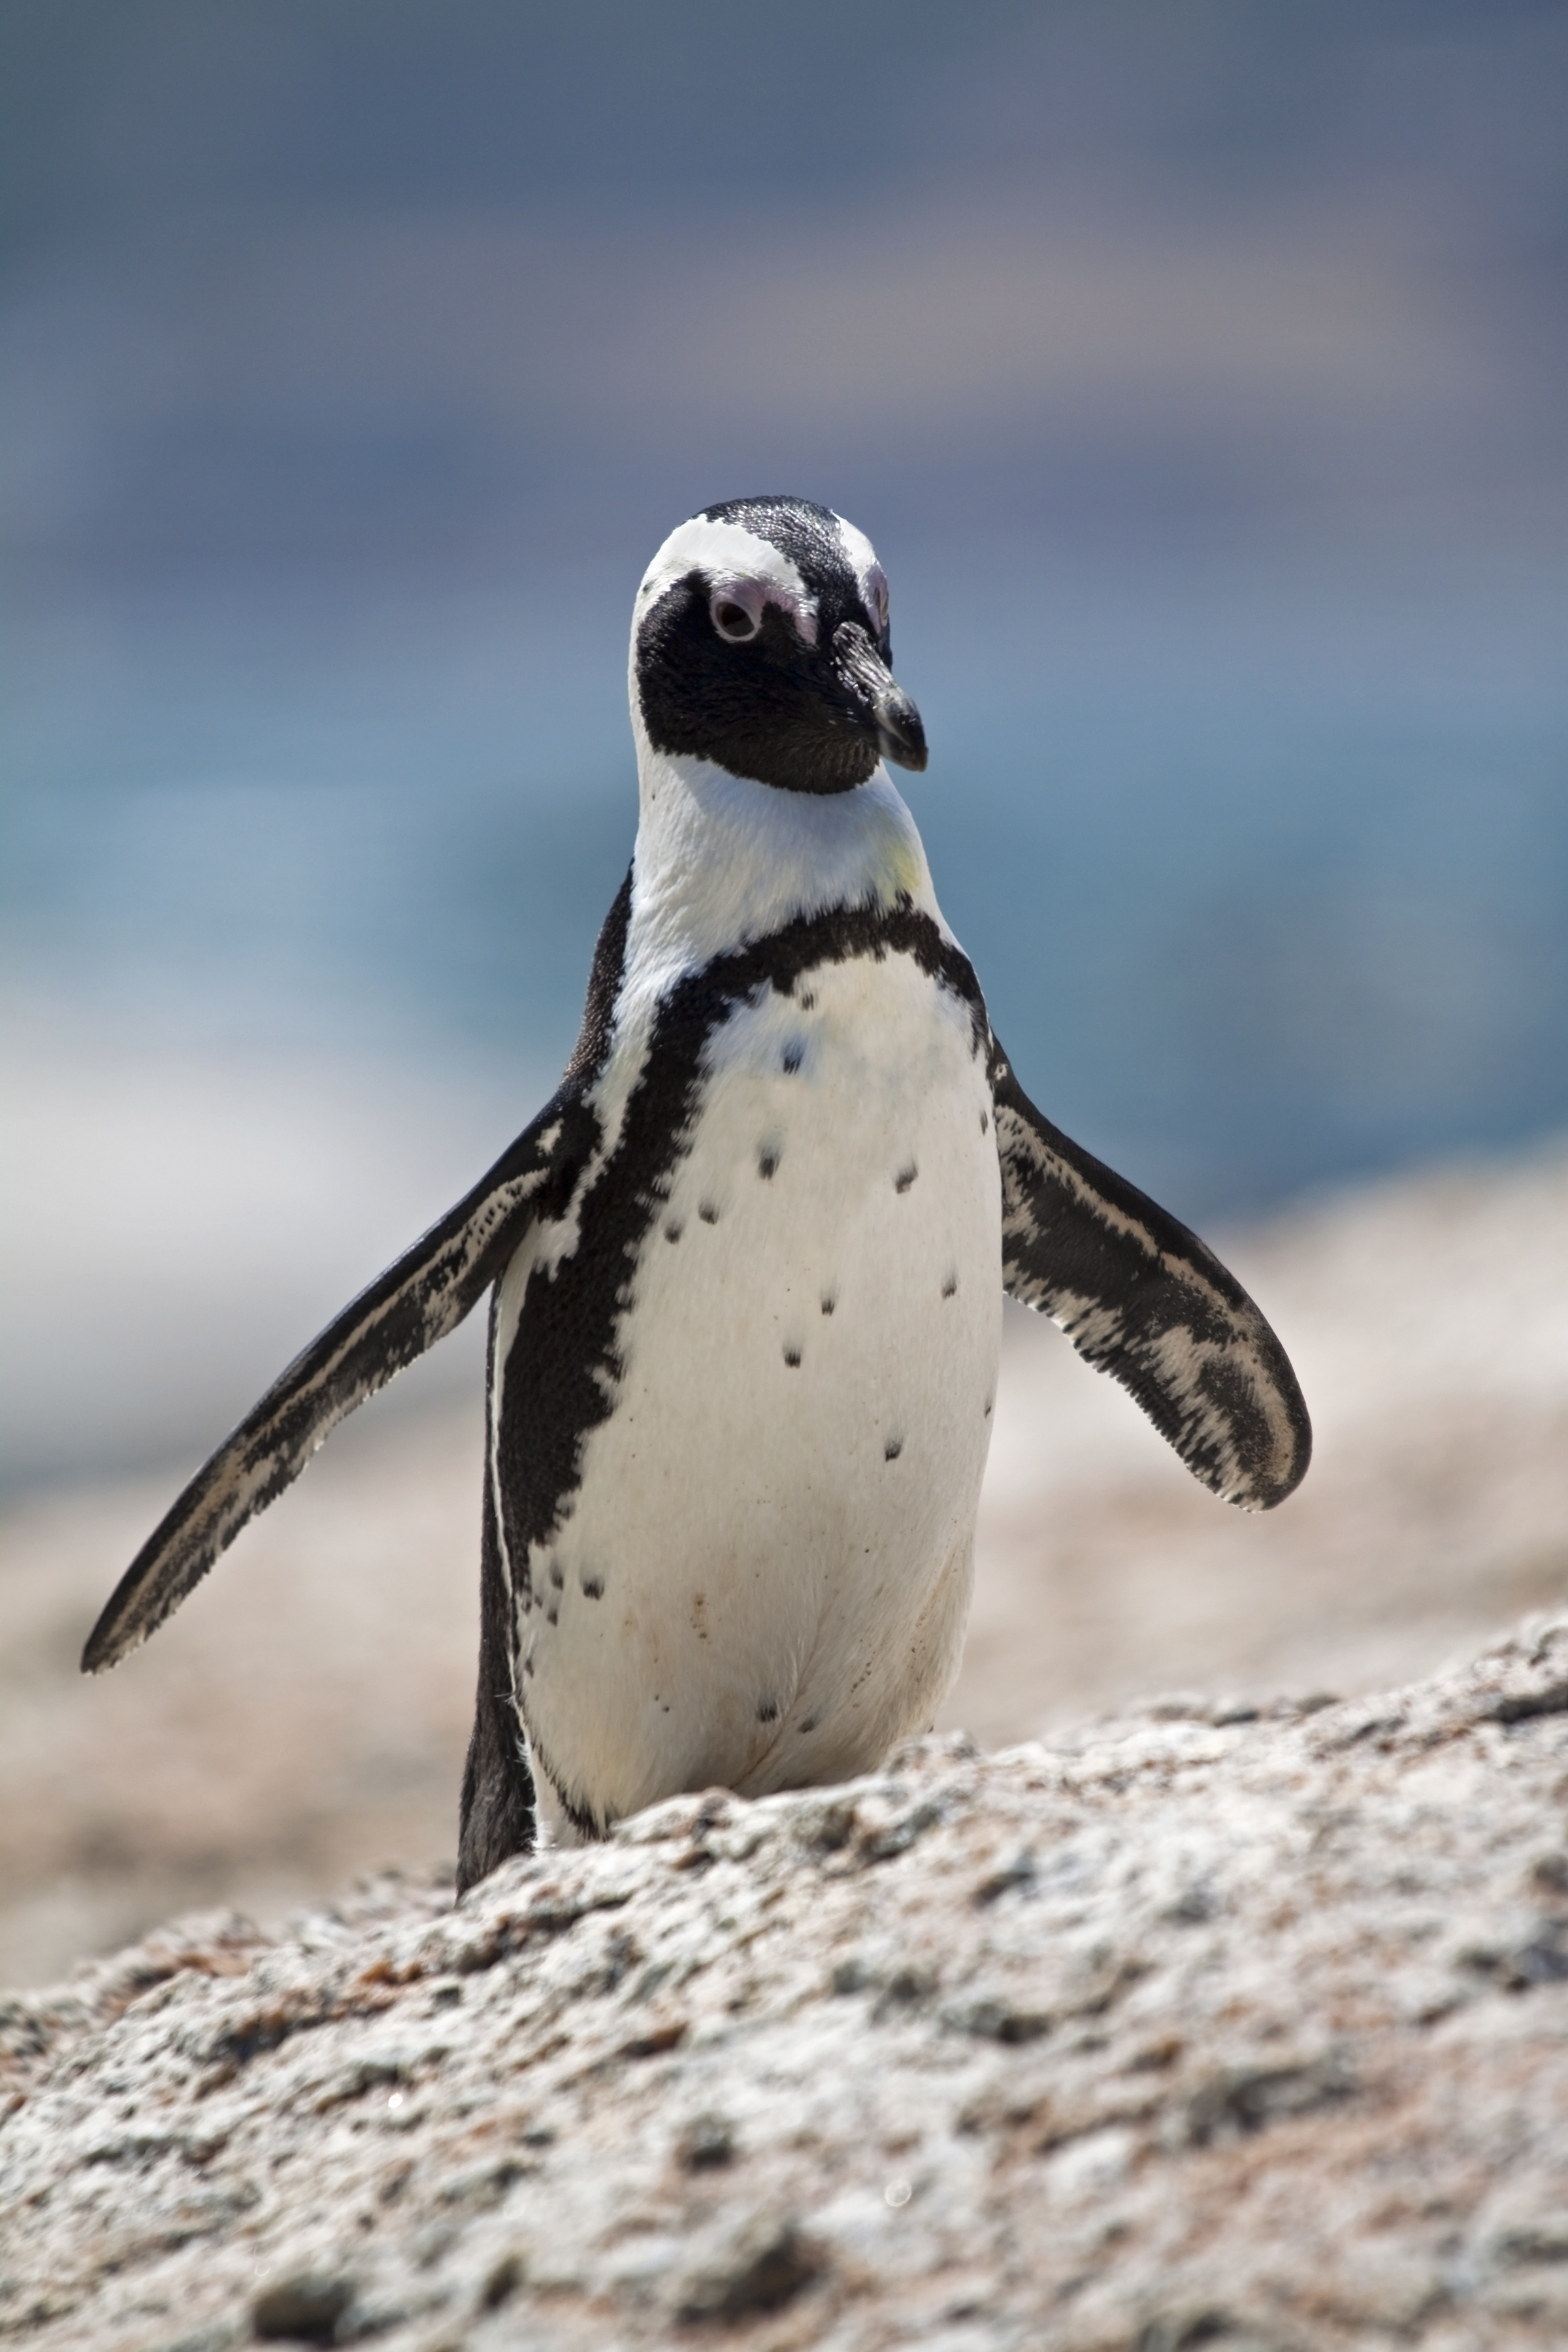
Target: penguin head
760 641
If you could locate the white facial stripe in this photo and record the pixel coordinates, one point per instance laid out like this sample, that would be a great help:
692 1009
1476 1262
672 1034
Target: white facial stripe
730 556
723 550
857 548
861 557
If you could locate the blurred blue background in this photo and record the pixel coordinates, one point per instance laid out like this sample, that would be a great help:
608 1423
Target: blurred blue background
1198 368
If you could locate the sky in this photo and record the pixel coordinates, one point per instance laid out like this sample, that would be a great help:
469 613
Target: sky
1198 368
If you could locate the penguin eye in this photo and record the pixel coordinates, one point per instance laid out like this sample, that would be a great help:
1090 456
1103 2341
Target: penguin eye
733 621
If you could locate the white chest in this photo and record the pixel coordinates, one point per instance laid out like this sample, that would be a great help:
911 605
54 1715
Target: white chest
764 1574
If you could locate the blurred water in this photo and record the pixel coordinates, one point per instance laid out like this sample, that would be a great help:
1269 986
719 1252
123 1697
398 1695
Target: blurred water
1200 375
1263 891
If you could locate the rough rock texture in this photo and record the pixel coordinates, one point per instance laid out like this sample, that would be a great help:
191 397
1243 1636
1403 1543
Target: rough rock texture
304 1717
1202 2027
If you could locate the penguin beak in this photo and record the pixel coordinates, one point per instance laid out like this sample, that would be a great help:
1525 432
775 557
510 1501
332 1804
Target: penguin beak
884 708
901 737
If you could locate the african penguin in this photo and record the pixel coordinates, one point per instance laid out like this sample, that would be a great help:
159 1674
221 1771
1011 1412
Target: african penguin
746 1266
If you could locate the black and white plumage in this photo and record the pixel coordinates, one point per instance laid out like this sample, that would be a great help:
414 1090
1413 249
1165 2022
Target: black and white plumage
747 1264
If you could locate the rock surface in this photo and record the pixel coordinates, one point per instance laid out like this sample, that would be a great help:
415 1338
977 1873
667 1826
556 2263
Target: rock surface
1203 2026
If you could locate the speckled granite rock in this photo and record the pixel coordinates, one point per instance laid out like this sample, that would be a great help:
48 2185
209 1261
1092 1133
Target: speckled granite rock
1249 2031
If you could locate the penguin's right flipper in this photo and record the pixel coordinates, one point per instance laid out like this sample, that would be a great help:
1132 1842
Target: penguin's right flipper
415 1302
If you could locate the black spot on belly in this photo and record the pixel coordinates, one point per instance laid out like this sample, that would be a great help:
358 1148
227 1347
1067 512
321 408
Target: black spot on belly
985 1121
594 1586
769 1711
556 1578
552 1616
892 1449
809 1723
792 1059
673 1231
905 1178
767 1162
709 1212
989 1402
791 1357
807 1000
949 1288
829 1303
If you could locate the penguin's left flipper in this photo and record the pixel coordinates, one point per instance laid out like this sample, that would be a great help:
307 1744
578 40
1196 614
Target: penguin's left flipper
415 1302
1143 1299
